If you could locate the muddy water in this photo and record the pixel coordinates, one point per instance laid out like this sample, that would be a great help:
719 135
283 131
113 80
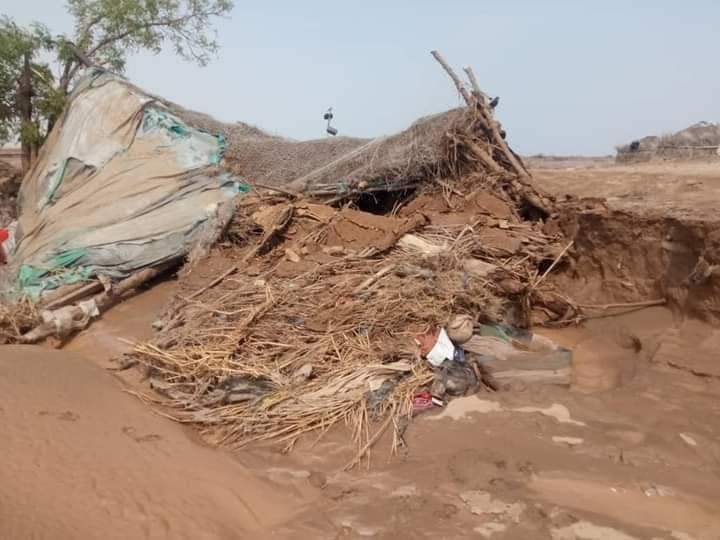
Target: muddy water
630 451
112 335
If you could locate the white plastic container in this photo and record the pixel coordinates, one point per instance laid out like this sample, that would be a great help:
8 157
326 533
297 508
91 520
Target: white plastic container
442 350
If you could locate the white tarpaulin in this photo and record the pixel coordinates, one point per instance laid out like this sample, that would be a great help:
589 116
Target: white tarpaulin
121 184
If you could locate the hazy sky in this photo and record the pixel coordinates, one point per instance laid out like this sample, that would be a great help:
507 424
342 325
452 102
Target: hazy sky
574 76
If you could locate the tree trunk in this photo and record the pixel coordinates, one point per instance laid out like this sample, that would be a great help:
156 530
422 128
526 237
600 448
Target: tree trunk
64 85
65 77
34 150
24 103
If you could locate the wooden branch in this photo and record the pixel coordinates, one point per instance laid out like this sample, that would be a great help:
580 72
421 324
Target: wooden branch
372 279
498 139
102 301
356 460
81 56
458 84
478 98
647 303
479 94
289 193
152 24
75 294
278 226
485 157
553 265
122 35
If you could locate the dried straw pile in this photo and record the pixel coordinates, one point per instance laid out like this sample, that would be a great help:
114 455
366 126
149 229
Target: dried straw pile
318 325
16 318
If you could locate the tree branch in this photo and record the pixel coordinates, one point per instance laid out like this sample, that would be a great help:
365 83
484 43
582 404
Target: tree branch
479 94
458 84
151 24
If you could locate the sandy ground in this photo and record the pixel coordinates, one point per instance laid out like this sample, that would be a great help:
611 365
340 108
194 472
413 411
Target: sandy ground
631 451
673 189
83 459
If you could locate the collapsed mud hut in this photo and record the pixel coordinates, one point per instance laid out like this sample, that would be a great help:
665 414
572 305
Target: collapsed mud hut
310 270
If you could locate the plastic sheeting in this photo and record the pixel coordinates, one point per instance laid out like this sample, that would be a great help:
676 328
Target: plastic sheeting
120 185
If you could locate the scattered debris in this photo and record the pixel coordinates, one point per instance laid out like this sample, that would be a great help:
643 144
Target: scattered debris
654 490
442 350
688 439
458 409
482 503
584 530
424 401
405 491
490 528
557 411
460 328
570 441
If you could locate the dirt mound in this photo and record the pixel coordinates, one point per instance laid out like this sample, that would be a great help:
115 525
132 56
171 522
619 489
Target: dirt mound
620 257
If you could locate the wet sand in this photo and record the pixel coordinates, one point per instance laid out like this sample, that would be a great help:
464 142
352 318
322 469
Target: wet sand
629 452
84 459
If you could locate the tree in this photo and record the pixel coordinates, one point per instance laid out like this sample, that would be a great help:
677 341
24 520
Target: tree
27 92
106 32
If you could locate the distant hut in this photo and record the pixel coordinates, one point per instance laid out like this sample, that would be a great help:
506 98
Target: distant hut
700 141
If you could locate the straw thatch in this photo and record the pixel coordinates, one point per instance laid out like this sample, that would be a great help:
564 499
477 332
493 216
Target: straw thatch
16 318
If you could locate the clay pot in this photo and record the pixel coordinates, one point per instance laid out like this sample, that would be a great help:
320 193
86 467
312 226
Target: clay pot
460 328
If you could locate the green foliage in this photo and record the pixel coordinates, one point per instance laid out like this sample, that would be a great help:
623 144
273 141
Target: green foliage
29 132
15 44
108 30
105 33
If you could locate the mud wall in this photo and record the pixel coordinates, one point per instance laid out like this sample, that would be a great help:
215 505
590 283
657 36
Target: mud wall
619 257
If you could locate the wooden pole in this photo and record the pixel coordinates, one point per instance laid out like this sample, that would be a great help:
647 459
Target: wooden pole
458 84
518 168
479 94
281 222
103 301
77 293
